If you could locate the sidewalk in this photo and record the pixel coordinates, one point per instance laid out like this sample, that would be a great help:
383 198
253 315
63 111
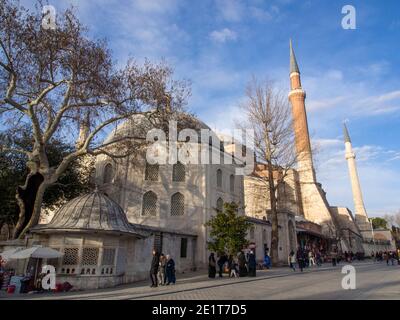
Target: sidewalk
185 282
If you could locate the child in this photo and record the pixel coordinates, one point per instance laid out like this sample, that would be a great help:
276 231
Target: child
292 260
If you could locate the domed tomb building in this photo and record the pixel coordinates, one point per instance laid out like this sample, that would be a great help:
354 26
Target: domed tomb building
176 196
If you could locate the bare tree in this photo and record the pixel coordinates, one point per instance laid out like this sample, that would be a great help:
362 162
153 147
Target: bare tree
62 84
268 113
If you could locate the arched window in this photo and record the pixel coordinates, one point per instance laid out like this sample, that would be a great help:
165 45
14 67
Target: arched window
108 173
219 178
220 204
149 207
177 204
178 172
232 183
151 172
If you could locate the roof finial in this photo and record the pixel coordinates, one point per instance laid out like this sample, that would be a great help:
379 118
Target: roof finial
293 63
346 133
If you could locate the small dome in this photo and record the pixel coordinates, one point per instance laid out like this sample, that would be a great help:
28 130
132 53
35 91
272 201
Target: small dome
93 212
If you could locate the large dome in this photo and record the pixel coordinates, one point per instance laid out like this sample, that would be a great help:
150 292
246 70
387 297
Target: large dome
138 125
93 213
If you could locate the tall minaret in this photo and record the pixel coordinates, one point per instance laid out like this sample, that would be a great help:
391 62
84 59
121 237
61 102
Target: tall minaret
359 208
297 98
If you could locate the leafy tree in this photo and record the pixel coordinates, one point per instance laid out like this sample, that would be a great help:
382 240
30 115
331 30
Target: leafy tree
13 172
228 230
379 223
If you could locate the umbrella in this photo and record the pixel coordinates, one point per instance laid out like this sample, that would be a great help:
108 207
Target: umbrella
37 252
7 253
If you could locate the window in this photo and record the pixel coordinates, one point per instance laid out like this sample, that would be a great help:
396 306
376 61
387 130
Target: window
220 204
178 172
177 204
149 207
252 233
108 256
219 178
184 242
70 256
108 173
90 256
151 172
232 183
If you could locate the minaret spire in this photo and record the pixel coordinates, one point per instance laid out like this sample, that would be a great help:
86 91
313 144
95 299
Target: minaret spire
346 133
293 62
297 98
361 216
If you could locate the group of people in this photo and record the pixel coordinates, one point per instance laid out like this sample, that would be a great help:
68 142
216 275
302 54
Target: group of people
241 265
162 270
389 256
304 257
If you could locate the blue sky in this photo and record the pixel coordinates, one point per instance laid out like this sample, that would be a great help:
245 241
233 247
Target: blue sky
348 75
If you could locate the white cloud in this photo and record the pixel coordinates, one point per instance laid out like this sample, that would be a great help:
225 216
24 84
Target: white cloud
230 10
223 35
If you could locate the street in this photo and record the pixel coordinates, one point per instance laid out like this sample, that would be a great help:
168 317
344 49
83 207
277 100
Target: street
373 281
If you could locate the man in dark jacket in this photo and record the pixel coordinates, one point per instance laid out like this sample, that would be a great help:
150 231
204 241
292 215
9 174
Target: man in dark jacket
154 268
221 261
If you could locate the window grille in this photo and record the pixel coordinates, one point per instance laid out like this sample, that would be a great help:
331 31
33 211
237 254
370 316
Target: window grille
70 256
108 256
90 256
149 207
232 183
151 172
184 242
178 172
177 204
219 178
220 204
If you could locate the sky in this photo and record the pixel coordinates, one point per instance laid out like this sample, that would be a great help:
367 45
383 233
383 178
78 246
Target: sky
349 75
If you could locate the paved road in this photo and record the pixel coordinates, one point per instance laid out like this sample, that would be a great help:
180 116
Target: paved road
373 281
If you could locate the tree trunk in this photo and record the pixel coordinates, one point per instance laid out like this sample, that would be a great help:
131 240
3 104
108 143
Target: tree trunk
26 197
37 206
274 215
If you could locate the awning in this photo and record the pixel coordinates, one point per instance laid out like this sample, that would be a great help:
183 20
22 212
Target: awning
37 252
301 230
5 255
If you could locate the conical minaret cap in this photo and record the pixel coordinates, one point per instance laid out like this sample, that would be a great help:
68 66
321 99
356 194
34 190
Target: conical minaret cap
293 63
346 133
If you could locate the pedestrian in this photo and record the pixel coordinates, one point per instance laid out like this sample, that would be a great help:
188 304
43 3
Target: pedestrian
154 268
373 256
242 264
334 257
211 266
386 257
267 260
391 255
311 258
221 262
161 270
170 270
300 258
233 268
292 260
319 258
252 264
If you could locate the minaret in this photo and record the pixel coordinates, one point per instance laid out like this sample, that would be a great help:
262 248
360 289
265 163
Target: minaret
297 98
359 208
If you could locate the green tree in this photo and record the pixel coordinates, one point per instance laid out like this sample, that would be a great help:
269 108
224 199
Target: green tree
379 223
228 230
13 172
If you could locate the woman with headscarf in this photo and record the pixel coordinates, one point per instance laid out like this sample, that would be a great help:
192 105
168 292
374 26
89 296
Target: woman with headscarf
252 264
170 270
211 266
242 264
